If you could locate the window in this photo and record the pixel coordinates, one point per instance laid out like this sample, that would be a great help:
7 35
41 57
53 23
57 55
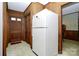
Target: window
18 19
13 19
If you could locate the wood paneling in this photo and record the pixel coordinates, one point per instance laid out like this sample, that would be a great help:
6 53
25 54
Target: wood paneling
15 31
27 27
78 23
53 6
5 27
28 30
34 8
62 3
17 14
72 35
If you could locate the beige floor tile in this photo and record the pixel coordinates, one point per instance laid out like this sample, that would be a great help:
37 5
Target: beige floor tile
20 49
70 48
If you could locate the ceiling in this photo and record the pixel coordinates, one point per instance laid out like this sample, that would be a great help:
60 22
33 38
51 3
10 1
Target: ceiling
43 2
18 6
21 6
71 9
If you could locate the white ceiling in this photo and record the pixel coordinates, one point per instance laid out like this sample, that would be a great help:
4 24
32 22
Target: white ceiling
18 6
21 6
71 9
43 2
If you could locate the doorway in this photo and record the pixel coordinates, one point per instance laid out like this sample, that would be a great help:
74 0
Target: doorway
15 27
70 29
15 40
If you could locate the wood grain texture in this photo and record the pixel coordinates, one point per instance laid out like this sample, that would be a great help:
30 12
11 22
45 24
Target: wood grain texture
71 34
15 33
5 27
17 14
28 29
78 24
34 8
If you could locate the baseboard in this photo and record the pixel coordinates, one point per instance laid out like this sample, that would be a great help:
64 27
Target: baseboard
59 52
15 42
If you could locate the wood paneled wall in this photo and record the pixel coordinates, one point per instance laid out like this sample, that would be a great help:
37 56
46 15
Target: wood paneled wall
20 15
34 8
5 27
28 31
15 13
71 35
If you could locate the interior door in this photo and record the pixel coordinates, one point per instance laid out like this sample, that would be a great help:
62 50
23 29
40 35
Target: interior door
15 30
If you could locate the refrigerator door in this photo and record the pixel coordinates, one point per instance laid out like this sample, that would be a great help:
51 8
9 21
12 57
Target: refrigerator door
39 20
38 42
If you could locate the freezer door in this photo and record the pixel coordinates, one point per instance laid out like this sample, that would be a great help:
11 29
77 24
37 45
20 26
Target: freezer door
39 36
39 21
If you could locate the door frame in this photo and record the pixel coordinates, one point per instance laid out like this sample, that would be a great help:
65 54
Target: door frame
5 27
60 30
5 32
61 43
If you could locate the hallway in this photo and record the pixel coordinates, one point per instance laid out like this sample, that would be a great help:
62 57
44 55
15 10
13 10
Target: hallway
20 49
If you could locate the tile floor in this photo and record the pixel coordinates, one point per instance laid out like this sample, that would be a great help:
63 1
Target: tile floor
70 48
20 49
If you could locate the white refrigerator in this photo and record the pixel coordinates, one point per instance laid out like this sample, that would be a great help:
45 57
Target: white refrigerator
45 33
